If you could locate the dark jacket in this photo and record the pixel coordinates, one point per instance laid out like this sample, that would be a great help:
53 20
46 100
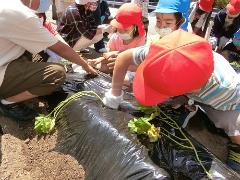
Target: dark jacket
77 22
218 27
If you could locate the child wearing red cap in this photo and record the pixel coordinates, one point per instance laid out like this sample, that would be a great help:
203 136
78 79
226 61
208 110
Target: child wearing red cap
199 15
179 64
226 23
130 33
129 27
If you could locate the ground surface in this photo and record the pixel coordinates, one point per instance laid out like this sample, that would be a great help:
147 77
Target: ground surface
24 155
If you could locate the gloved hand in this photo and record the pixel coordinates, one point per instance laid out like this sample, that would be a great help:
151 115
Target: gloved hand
213 41
111 100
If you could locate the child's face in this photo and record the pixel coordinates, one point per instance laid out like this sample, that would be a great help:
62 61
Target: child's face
128 30
166 21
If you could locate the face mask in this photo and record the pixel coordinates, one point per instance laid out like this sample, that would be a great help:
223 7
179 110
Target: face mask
236 42
44 5
163 31
124 36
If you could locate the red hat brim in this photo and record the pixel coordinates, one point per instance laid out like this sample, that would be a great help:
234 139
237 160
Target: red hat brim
232 10
144 94
118 25
121 26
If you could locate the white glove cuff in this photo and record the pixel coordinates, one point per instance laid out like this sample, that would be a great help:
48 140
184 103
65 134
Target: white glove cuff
109 95
111 100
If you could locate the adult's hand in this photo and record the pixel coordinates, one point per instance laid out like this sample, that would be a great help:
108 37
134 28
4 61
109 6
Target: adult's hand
68 53
102 64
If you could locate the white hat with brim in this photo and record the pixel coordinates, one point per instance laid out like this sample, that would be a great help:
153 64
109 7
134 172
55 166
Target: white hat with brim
83 2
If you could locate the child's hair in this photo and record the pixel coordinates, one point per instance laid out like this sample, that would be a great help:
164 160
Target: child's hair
42 15
179 18
135 31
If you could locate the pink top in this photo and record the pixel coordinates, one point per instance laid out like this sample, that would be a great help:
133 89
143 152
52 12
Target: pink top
115 43
50 27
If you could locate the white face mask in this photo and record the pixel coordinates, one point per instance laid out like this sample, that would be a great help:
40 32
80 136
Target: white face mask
124 36
163 31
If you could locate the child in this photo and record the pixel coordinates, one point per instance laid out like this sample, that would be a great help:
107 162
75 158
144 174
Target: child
169 16
199 16
182 63
130 33
129 27
226 23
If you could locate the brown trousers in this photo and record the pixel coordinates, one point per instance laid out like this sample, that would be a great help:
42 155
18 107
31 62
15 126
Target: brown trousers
39 78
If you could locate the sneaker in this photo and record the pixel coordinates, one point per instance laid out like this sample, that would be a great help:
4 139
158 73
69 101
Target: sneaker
18 111
102 50
233 159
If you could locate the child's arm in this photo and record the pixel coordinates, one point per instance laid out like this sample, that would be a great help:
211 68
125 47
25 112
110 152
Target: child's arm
124 60
114 96
130 57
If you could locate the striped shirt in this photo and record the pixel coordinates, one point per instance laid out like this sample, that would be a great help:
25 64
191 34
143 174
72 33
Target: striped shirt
222 91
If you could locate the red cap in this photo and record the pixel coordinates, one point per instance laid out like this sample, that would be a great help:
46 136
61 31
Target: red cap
175 65
206 5
233 7
127 15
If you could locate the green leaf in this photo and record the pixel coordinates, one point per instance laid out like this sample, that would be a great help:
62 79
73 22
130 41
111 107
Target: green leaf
140 125
235 63
148 109
44 124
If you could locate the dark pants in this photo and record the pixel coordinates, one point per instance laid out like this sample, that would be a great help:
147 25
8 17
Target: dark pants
97 15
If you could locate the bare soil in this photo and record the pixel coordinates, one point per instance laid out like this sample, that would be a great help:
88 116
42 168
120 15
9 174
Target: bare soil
25 155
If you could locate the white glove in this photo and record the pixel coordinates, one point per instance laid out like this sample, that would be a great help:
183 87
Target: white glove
213 42
111 100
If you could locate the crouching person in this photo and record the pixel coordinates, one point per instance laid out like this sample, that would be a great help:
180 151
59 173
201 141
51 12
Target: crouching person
78 25
21 33
182 63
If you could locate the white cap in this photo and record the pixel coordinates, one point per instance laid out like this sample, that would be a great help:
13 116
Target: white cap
83 2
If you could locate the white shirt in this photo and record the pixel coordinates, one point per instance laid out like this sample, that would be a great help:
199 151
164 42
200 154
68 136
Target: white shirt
20 30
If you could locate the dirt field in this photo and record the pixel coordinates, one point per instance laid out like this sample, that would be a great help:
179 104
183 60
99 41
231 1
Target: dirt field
25 156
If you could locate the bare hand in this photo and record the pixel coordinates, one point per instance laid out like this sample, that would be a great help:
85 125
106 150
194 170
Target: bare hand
112 54
90 70
102 64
